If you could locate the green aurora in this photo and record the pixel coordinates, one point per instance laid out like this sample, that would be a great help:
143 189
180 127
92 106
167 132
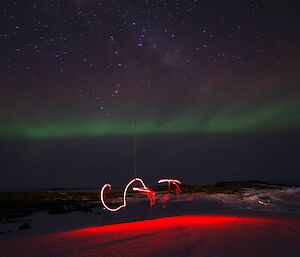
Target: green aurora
264 120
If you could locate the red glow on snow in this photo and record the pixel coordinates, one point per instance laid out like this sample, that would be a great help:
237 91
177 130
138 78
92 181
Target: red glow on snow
166 197
176 221
191 236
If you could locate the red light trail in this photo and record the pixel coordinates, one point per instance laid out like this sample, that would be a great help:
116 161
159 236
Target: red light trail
175 182
147 191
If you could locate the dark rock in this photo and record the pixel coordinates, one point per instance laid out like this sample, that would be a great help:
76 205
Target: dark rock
58 209
24 226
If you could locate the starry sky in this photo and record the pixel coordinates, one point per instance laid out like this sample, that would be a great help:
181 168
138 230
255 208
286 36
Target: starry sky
91 69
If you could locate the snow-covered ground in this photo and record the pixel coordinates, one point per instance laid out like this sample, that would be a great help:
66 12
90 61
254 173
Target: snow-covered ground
198 235
252 222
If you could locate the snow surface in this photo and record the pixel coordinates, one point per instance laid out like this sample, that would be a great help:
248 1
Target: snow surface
175 236
265 223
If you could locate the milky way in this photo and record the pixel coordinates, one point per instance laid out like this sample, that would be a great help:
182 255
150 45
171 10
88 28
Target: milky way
92 68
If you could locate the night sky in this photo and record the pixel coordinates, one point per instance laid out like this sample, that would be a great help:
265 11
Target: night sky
212 86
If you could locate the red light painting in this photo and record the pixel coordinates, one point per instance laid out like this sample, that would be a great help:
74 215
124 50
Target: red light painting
143 189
